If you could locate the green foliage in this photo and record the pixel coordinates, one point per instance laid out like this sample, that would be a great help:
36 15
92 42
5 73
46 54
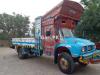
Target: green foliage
3 37
89 25
15 25
33 30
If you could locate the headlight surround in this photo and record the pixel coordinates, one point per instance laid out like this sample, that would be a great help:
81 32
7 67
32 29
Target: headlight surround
83 49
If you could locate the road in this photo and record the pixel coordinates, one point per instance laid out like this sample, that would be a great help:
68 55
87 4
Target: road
10 64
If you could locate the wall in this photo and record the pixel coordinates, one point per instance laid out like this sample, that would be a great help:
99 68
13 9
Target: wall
4 43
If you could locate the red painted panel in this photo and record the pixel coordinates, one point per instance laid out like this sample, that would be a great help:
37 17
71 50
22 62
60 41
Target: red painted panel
68 11
98 46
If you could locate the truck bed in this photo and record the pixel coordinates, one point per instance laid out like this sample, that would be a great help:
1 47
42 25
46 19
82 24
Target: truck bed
24 41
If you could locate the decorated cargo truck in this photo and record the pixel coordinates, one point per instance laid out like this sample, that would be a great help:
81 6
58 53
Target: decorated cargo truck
57 39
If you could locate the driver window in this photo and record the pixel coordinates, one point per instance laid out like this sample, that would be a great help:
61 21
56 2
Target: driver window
60 34
48 33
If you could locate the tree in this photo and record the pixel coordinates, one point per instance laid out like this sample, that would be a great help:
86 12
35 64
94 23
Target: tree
21 25
89 25
15 25
33 29
5 24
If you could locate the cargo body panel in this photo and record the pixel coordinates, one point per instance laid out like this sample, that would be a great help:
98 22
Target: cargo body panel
65 15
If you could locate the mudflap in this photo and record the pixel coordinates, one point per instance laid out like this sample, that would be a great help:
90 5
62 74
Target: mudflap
96 57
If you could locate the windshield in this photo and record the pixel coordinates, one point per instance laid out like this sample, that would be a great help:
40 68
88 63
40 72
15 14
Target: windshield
67 32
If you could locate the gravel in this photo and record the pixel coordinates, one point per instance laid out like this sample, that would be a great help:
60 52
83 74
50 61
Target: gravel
10 64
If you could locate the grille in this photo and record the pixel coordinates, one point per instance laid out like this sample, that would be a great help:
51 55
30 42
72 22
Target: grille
90 47
85 47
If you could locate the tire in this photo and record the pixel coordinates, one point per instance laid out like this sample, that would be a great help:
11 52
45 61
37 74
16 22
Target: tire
21 55
70 66
83 64
41 52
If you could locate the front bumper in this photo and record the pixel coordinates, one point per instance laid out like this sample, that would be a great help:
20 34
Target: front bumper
96 57
92 57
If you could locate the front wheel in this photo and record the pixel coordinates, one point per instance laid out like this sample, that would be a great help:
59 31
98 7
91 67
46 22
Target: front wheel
66 63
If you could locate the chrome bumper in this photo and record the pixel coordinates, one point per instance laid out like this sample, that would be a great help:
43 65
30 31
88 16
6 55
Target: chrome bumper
93 57
96 57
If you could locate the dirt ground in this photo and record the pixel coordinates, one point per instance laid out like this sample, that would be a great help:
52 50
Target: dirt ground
10 64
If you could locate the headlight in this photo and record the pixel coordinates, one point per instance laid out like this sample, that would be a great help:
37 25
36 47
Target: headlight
83 49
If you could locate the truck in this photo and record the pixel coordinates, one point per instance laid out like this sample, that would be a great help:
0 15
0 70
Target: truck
57 39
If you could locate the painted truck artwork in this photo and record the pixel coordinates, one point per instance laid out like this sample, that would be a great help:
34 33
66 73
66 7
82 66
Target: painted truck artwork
54 37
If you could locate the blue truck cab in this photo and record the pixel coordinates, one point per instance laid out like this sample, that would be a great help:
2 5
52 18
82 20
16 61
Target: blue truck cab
71 49
77 47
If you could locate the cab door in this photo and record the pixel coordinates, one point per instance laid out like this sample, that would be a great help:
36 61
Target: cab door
49 40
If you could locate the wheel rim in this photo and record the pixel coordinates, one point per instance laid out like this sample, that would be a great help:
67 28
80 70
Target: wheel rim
64 64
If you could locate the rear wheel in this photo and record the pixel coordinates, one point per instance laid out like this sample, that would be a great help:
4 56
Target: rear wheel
21 55
66 63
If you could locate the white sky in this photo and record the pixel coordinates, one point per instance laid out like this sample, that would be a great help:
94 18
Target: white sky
32 8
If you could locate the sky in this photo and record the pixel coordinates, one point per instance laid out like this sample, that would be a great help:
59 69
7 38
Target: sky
31 8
